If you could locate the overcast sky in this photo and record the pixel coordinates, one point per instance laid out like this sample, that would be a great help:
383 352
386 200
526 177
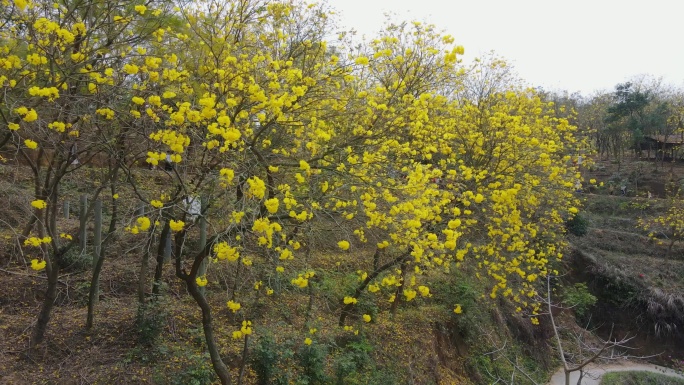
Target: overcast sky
578 45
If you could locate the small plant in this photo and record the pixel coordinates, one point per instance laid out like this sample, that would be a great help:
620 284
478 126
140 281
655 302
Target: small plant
353 363
577 225
197 371
150 321
191 367
579 298
74 260
312 359
268 358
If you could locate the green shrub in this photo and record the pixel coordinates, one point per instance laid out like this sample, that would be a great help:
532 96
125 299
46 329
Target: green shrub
352 361
354 365
197 370
577 225
74 260
191 367
150 321
579 298
312 359
267 360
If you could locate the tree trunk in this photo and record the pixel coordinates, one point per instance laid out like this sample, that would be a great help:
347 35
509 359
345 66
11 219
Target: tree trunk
83 216
203 241
98 259
243 362
400 289
161 252
219 366
346 309
142 279
48 303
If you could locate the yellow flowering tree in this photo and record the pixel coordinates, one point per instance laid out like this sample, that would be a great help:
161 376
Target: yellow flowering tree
245 106
668 225
279 131
61 74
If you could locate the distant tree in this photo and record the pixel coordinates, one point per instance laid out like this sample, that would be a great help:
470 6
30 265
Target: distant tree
591 120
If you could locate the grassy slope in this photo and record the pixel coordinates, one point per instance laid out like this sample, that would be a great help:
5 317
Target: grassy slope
639 378
642 291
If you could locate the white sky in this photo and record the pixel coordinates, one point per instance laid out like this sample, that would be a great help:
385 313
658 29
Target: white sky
575 45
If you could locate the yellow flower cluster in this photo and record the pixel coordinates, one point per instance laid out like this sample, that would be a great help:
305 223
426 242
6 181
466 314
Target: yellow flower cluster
224 251
36 242
176 225
142 224
302 280
233 306
39 204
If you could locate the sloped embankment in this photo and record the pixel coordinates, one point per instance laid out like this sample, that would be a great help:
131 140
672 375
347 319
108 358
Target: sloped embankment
639 292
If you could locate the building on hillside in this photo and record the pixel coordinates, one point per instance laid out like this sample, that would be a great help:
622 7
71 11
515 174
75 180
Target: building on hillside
666 146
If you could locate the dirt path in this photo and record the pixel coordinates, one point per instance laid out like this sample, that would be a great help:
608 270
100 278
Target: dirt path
594 373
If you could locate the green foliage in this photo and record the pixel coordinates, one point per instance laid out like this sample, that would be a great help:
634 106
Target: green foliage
332 284
577 225
74 260
639 378
312 359
191 367
354 365
266 359
579 298
618 291
150 321
462 291
354 358
198 372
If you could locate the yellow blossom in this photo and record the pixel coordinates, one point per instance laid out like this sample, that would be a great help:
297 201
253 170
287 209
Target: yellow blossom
33 241
143 223
257 187
246 328
409 294
176 225
272 205
30 144
131 69
233 306
424 291
38 265
201 281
